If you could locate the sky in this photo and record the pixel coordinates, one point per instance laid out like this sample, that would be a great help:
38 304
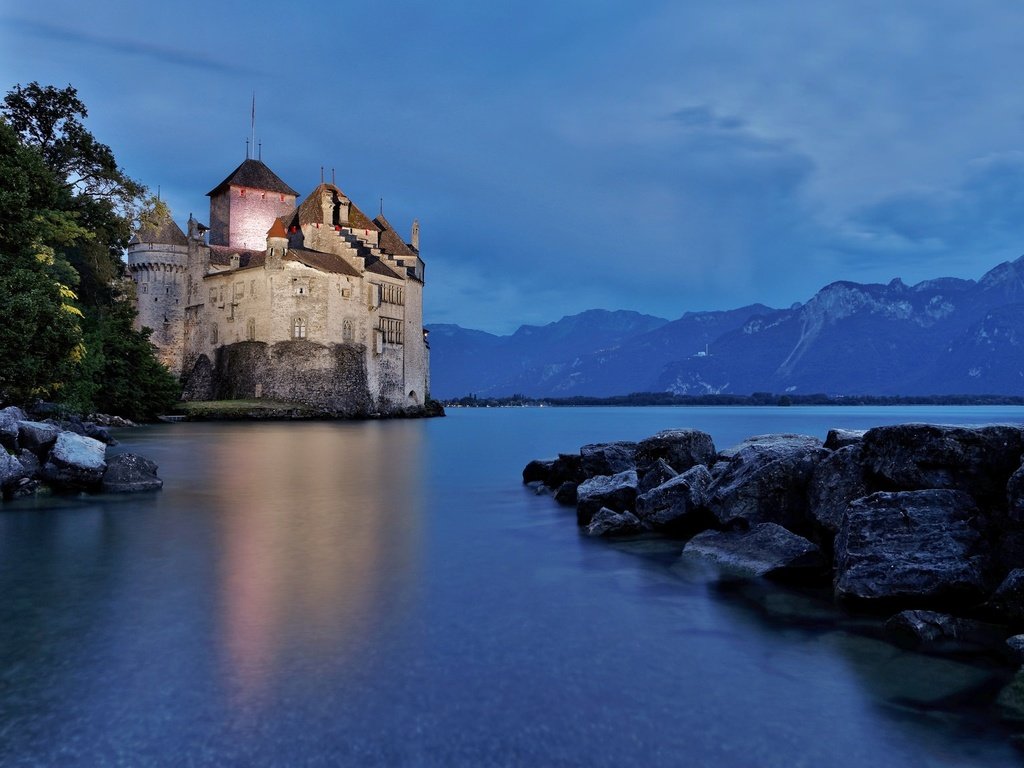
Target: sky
563 155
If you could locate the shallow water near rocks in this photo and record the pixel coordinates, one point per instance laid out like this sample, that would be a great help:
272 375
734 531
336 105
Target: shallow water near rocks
388 593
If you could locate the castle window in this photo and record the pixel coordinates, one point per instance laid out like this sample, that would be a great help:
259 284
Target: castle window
348 331
250 329
298 328
213 295
241 193
392 294
239 290
301 287
252 287
145 288
392 330
213 333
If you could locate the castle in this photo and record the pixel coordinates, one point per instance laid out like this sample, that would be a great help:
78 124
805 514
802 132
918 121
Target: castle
312 303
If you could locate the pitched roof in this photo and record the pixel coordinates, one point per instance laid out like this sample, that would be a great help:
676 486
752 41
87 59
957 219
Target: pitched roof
311 211
248 259
277 229
161 230
390 241
254 174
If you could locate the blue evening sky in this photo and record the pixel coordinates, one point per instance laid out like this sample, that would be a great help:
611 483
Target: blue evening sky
649 155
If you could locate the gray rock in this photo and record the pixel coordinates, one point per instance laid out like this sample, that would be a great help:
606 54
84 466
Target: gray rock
654 475
12 472
75 462
837 480
12 413
1008 599
767 550
9 418
30 462
607 458
566 494
568 467
679 448
790 438
1015 644
677 506
129 473
939 632
766 482
97 432
617 492
976 460
1015 496
607 522
840 438
538 470
915 547
37 436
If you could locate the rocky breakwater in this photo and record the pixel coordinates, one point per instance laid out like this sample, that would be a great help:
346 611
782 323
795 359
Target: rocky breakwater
920 523
68 458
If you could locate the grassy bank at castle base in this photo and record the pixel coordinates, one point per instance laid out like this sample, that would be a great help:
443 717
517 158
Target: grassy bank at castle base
244 410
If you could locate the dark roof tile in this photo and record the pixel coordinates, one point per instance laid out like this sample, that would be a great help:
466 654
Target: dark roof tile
254 174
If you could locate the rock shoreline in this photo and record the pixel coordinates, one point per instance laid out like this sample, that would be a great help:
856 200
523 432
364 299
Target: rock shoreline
921 524
66 458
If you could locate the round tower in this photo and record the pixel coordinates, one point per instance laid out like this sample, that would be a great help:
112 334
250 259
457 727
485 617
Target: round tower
158 261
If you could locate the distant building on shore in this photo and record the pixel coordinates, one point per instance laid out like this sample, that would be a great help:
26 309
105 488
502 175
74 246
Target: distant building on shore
313 303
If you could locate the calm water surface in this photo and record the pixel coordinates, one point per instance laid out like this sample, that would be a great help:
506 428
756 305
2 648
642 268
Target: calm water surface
388 593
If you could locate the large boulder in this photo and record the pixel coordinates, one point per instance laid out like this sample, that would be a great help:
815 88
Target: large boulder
607 458
790 438
977 460
654 475
9 418
837 480
538 470
767 550
608 522
678 506
75 462
12 473
918 547
617 492
128 473
37 436
1007 601
766 482
567 468
679 448
96 432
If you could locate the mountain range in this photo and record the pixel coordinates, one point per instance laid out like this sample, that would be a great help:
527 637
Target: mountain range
942 336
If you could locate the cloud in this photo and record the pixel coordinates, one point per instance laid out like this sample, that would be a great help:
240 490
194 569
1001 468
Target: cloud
124 46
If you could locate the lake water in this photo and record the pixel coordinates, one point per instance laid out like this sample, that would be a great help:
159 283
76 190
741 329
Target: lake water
388 593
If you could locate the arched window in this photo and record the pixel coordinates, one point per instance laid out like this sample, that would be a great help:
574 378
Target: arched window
213 334
348 331
299 328
250 329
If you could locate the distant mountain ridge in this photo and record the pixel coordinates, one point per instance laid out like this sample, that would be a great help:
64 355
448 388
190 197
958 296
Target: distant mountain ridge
942 336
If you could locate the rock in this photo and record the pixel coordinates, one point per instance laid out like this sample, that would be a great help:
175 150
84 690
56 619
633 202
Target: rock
766 550
718 469
30 462
679 448
607 522
940 632
568 467
538 470
9 418
73 425
766 482
75 462
617 492
128 473
910 546
1015 496
841 438
1011 699
566 494
976 460
1015 644
655 474
728 454
1008 600
37 437
97 432
678 506
12 473
837 480
607 458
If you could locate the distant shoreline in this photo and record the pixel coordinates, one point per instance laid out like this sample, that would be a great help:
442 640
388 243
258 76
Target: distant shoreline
653 399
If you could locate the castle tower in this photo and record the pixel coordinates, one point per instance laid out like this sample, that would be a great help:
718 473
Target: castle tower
158 262
245 204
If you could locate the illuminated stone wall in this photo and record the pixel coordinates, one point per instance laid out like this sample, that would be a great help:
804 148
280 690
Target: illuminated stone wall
240 217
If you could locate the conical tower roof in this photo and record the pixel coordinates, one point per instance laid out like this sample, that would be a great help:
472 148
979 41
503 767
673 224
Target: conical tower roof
159 230
254 174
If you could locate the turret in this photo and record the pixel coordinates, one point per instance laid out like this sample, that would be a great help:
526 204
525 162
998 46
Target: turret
277 244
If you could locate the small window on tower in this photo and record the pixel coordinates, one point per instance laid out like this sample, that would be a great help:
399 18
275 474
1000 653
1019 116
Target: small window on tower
298 328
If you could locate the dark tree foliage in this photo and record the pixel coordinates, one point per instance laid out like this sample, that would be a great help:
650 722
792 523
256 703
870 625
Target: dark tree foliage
66 214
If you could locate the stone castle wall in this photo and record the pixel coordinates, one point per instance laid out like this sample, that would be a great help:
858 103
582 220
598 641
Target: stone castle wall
240 217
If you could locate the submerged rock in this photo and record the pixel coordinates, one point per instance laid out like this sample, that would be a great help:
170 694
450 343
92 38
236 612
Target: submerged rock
607 522
617 492
933 631
678 506
766 550
910 546
129 473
